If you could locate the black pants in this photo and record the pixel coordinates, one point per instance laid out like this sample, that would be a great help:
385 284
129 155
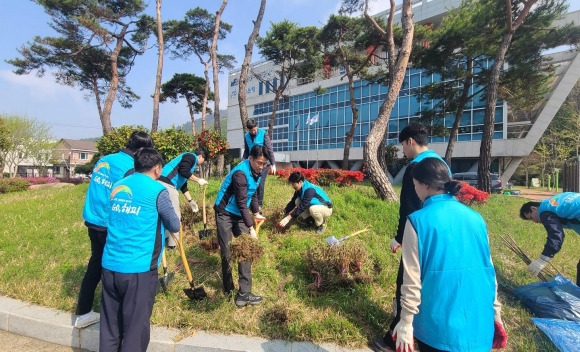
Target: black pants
126 307
388 338
578 274
226 225
93 273
260 190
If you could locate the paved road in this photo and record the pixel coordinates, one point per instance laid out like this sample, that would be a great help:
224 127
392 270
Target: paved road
16 343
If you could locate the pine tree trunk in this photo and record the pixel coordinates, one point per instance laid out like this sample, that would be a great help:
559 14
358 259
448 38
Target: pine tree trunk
246 65
155 122
459 112
376 173
484 163
111 95
350 133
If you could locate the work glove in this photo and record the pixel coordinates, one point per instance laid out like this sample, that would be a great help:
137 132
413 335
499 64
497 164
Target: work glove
499 335
201 182
253 233
403 337
259 217
537 265
273 169
284 221
395 245
193 206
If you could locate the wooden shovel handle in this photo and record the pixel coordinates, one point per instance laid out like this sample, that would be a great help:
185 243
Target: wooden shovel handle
182 252
203 204
164 260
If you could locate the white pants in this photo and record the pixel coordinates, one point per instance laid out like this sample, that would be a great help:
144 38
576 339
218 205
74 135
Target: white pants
318 212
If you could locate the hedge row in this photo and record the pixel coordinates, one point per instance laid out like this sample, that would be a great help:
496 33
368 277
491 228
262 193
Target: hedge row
324 177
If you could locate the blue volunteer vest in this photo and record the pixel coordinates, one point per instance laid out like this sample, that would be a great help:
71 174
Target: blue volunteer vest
232 205
108 170
566 206
429 154
136 233
258 140
457 276
320 199
170 170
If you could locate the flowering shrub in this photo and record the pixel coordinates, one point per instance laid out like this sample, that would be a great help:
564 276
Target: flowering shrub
213 142
469 194
40 180
73 180
325 177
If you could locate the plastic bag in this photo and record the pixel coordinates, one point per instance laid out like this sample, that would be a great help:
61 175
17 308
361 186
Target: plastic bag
558 299
564 334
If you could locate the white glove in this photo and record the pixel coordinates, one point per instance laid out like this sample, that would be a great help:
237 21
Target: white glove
284 221
273 169
537 265
193 206
201 182
403 335
395 245
259 217
253 233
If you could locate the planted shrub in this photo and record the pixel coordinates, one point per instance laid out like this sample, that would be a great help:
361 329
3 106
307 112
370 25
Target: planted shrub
469 195
73 180
325 177
13 185
41 180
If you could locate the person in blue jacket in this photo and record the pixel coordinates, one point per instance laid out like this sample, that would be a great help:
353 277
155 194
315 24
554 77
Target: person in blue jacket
139 211
235 202
174 177
108 170
449 292
559 212
308 201
258 136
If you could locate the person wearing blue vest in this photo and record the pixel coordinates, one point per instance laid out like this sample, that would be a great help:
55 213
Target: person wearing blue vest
559 212
108 170
236 198
139 210
308 201
413 139
258 136
174 177
449 292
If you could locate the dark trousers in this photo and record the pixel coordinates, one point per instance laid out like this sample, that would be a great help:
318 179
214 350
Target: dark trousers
226 225
260 190
578 274
93 273
423 347
397 308
126 307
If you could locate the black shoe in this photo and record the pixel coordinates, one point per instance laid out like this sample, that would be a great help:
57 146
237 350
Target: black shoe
170 248
320 229
243 299
379 345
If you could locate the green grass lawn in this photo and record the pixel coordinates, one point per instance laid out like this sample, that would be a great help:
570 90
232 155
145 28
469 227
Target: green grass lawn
44 248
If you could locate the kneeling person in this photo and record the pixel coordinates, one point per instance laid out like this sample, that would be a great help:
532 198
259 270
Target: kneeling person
139 211
309 201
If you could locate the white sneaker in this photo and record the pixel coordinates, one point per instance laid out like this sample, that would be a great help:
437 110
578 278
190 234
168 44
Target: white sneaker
85 320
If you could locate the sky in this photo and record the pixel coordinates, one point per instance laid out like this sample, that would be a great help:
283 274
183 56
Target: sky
72 114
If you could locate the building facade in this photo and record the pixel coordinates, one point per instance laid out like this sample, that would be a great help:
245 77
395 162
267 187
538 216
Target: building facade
314 117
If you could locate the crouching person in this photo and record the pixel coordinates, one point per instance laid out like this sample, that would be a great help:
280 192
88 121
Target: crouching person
236 198
140 210
309 203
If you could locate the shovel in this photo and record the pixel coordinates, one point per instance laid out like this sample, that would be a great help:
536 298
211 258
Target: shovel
205 232
193 293
333 241
166 279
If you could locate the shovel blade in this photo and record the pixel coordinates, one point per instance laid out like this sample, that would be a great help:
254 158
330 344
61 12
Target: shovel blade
333 241
195 294
205 233
164 282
